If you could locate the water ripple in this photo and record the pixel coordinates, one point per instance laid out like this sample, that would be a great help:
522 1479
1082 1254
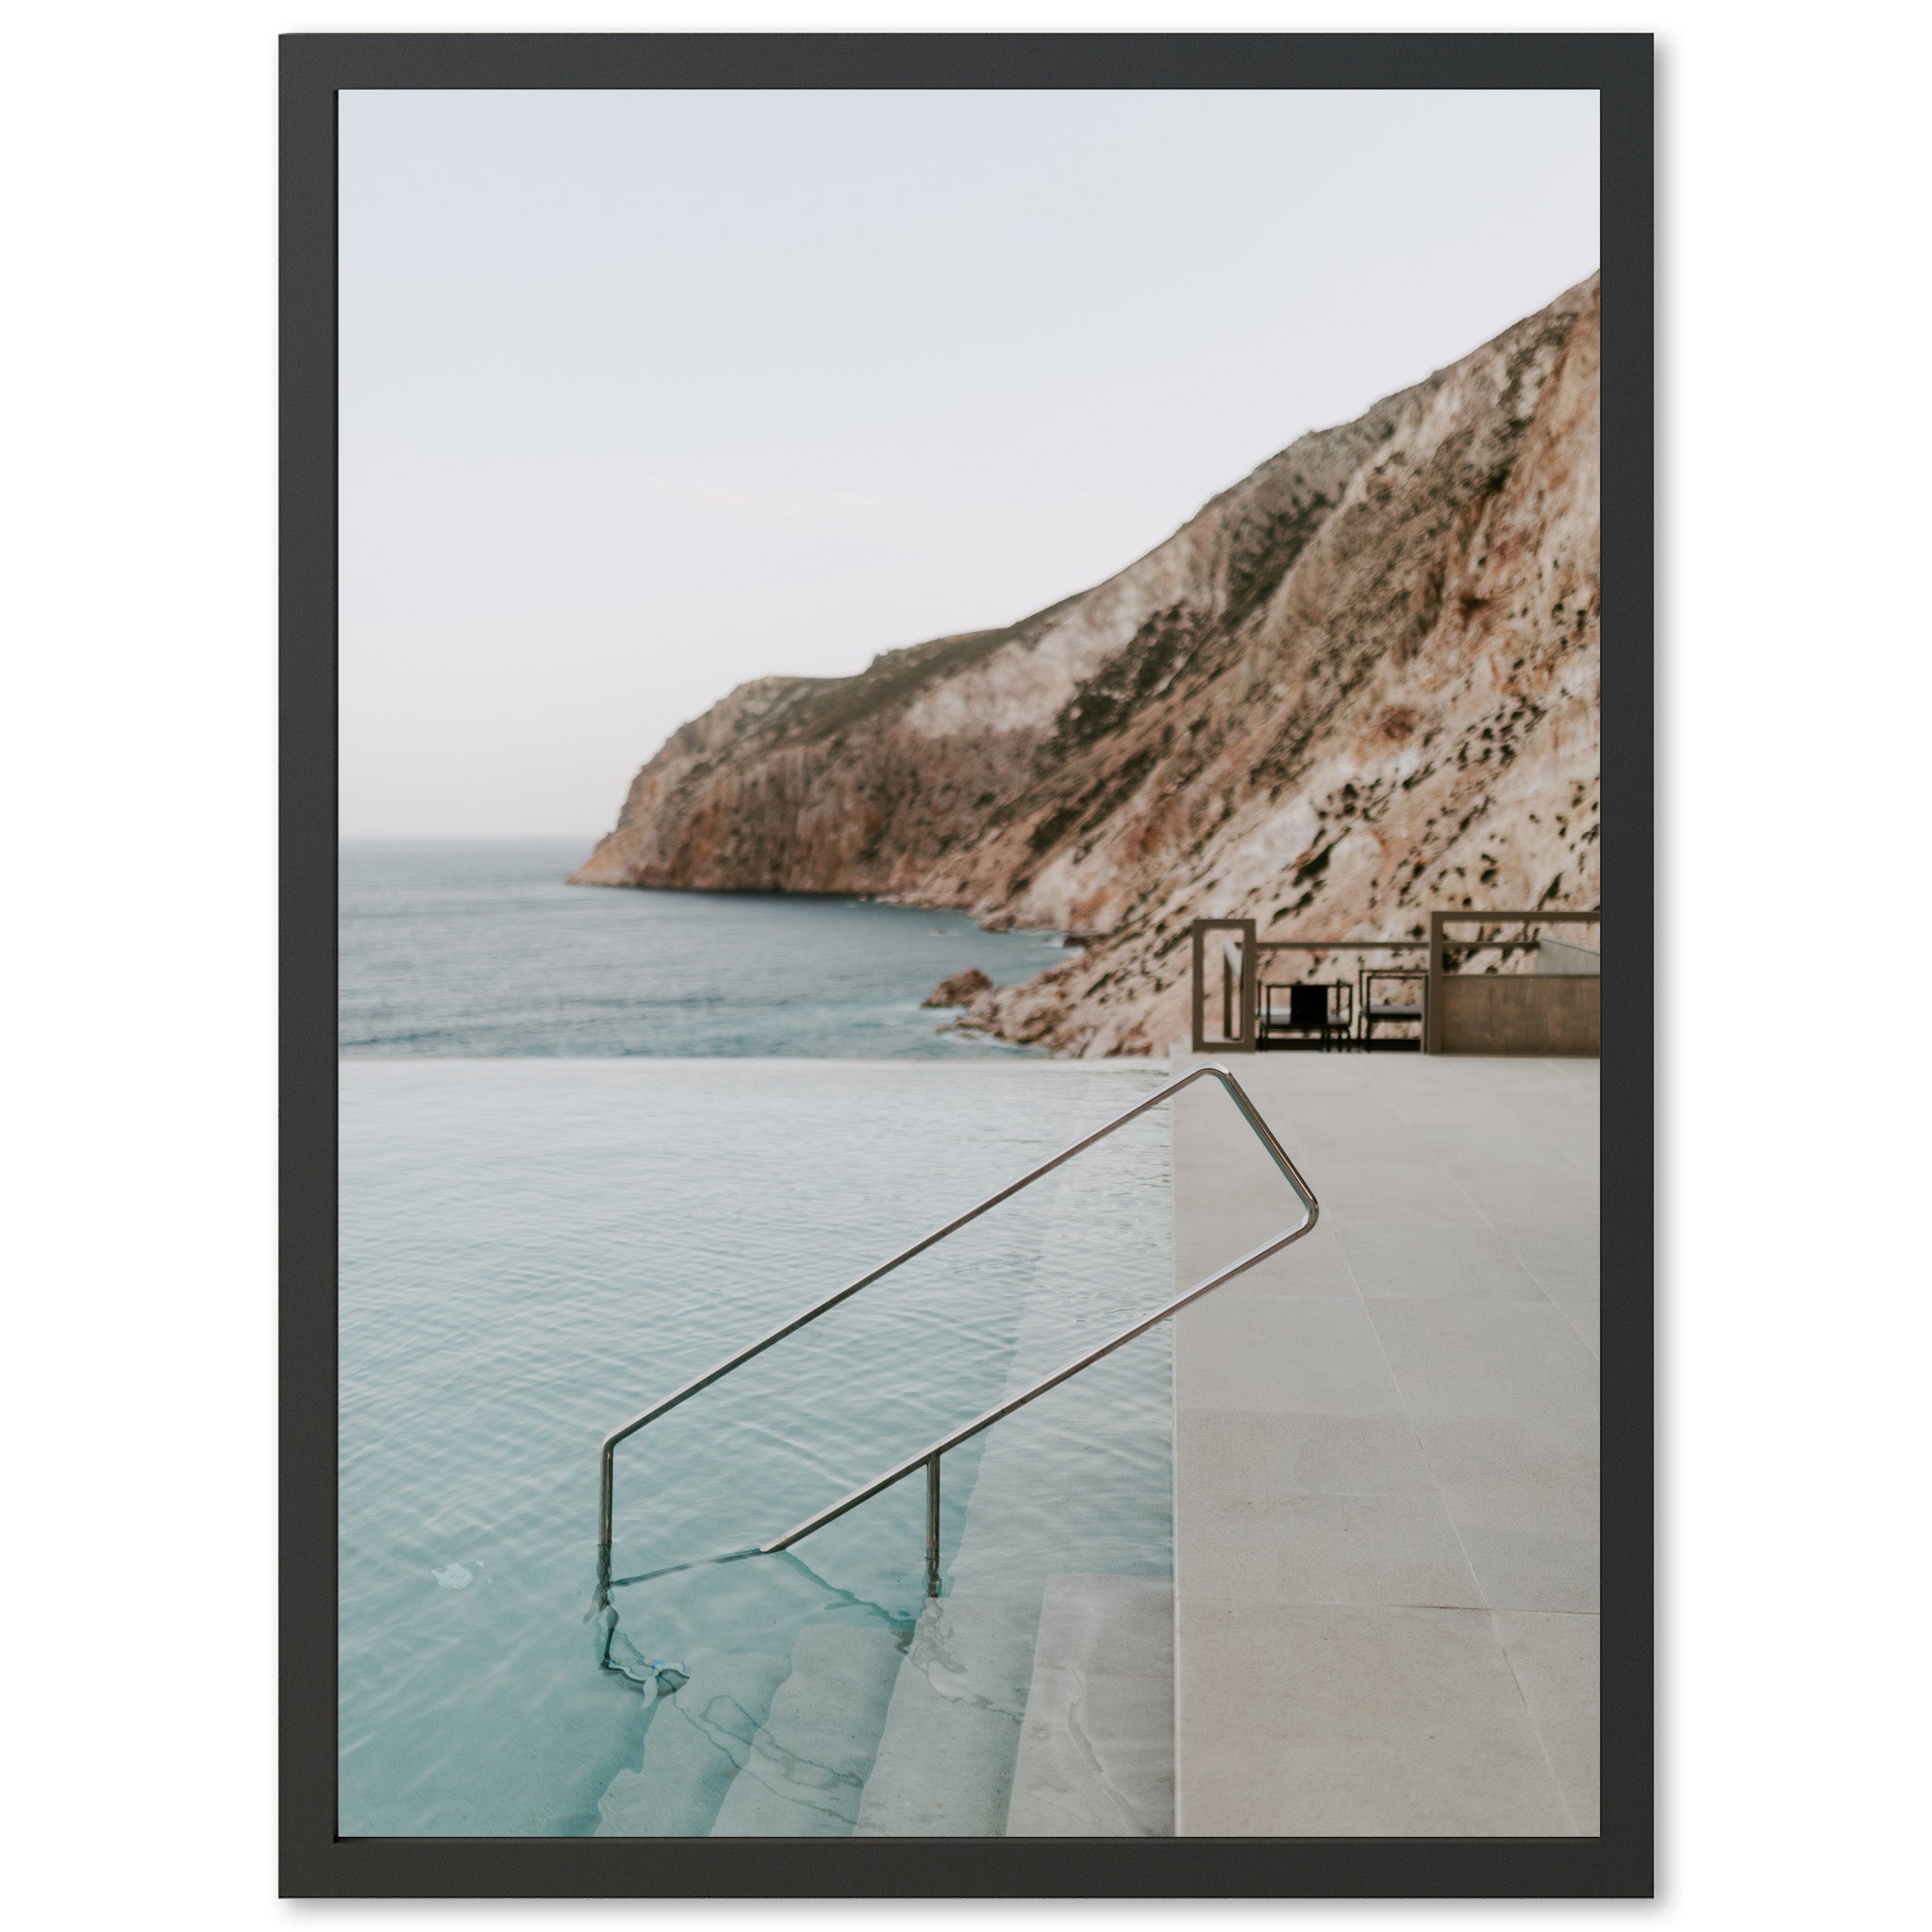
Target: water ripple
533 1249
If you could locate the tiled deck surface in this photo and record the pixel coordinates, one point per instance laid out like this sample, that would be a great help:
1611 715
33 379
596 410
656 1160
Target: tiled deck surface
1386 1453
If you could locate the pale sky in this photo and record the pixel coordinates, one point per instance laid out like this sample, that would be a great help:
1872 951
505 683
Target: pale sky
644 395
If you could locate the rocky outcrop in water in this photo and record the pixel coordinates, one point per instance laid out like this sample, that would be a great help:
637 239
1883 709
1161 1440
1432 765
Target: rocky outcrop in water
961 990
1361 683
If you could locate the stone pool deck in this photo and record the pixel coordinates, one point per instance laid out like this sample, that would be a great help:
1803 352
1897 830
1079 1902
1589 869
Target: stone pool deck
1386 1452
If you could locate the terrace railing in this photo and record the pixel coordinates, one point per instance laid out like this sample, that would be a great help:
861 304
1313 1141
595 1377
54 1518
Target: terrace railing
928 1457
1552 1013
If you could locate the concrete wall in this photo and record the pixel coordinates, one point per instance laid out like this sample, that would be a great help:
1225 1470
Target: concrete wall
1565 957
1558 1014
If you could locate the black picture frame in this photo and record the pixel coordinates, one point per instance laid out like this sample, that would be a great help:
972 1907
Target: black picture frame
315 1862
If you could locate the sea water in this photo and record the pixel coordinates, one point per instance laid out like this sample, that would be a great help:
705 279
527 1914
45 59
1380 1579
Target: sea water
478 947
535 1250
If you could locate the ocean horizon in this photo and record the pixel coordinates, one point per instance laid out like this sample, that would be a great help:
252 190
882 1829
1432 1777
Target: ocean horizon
478 948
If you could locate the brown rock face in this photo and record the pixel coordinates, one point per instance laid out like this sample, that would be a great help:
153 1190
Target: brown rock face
1360 684
961 990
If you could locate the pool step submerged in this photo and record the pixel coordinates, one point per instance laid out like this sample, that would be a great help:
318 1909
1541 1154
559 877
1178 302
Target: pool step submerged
807 1764
1001 1718
1096 1749
697 1744
945 1766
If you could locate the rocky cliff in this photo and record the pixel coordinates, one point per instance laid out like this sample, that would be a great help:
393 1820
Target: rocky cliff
1361 683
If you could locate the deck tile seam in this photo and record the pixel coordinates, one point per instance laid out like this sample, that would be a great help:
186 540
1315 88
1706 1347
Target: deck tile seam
1522 1262
1415 1436
1307 1144
1536 1729
1514 1253
1489 1609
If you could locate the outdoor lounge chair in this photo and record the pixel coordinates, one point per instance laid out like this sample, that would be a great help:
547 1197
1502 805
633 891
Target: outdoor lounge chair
1323 1012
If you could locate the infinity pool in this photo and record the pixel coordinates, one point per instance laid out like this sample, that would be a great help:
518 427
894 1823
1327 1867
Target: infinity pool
534 1251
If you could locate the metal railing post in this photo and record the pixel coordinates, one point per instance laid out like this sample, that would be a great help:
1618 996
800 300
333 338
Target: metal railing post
932 1525
604 1507
1432 990
1251 989
1200 987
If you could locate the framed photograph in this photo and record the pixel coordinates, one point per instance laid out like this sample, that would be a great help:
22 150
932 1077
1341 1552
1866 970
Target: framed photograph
951 1059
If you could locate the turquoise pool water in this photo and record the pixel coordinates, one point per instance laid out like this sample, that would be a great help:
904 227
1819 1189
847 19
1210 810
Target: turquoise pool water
534 1250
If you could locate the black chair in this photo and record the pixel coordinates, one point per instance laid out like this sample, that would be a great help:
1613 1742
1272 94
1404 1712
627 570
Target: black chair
1326 1012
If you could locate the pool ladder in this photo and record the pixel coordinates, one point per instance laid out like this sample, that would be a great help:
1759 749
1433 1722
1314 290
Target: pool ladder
929 1456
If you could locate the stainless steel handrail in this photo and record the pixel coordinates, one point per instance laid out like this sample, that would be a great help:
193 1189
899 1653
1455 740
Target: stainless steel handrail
929 1456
